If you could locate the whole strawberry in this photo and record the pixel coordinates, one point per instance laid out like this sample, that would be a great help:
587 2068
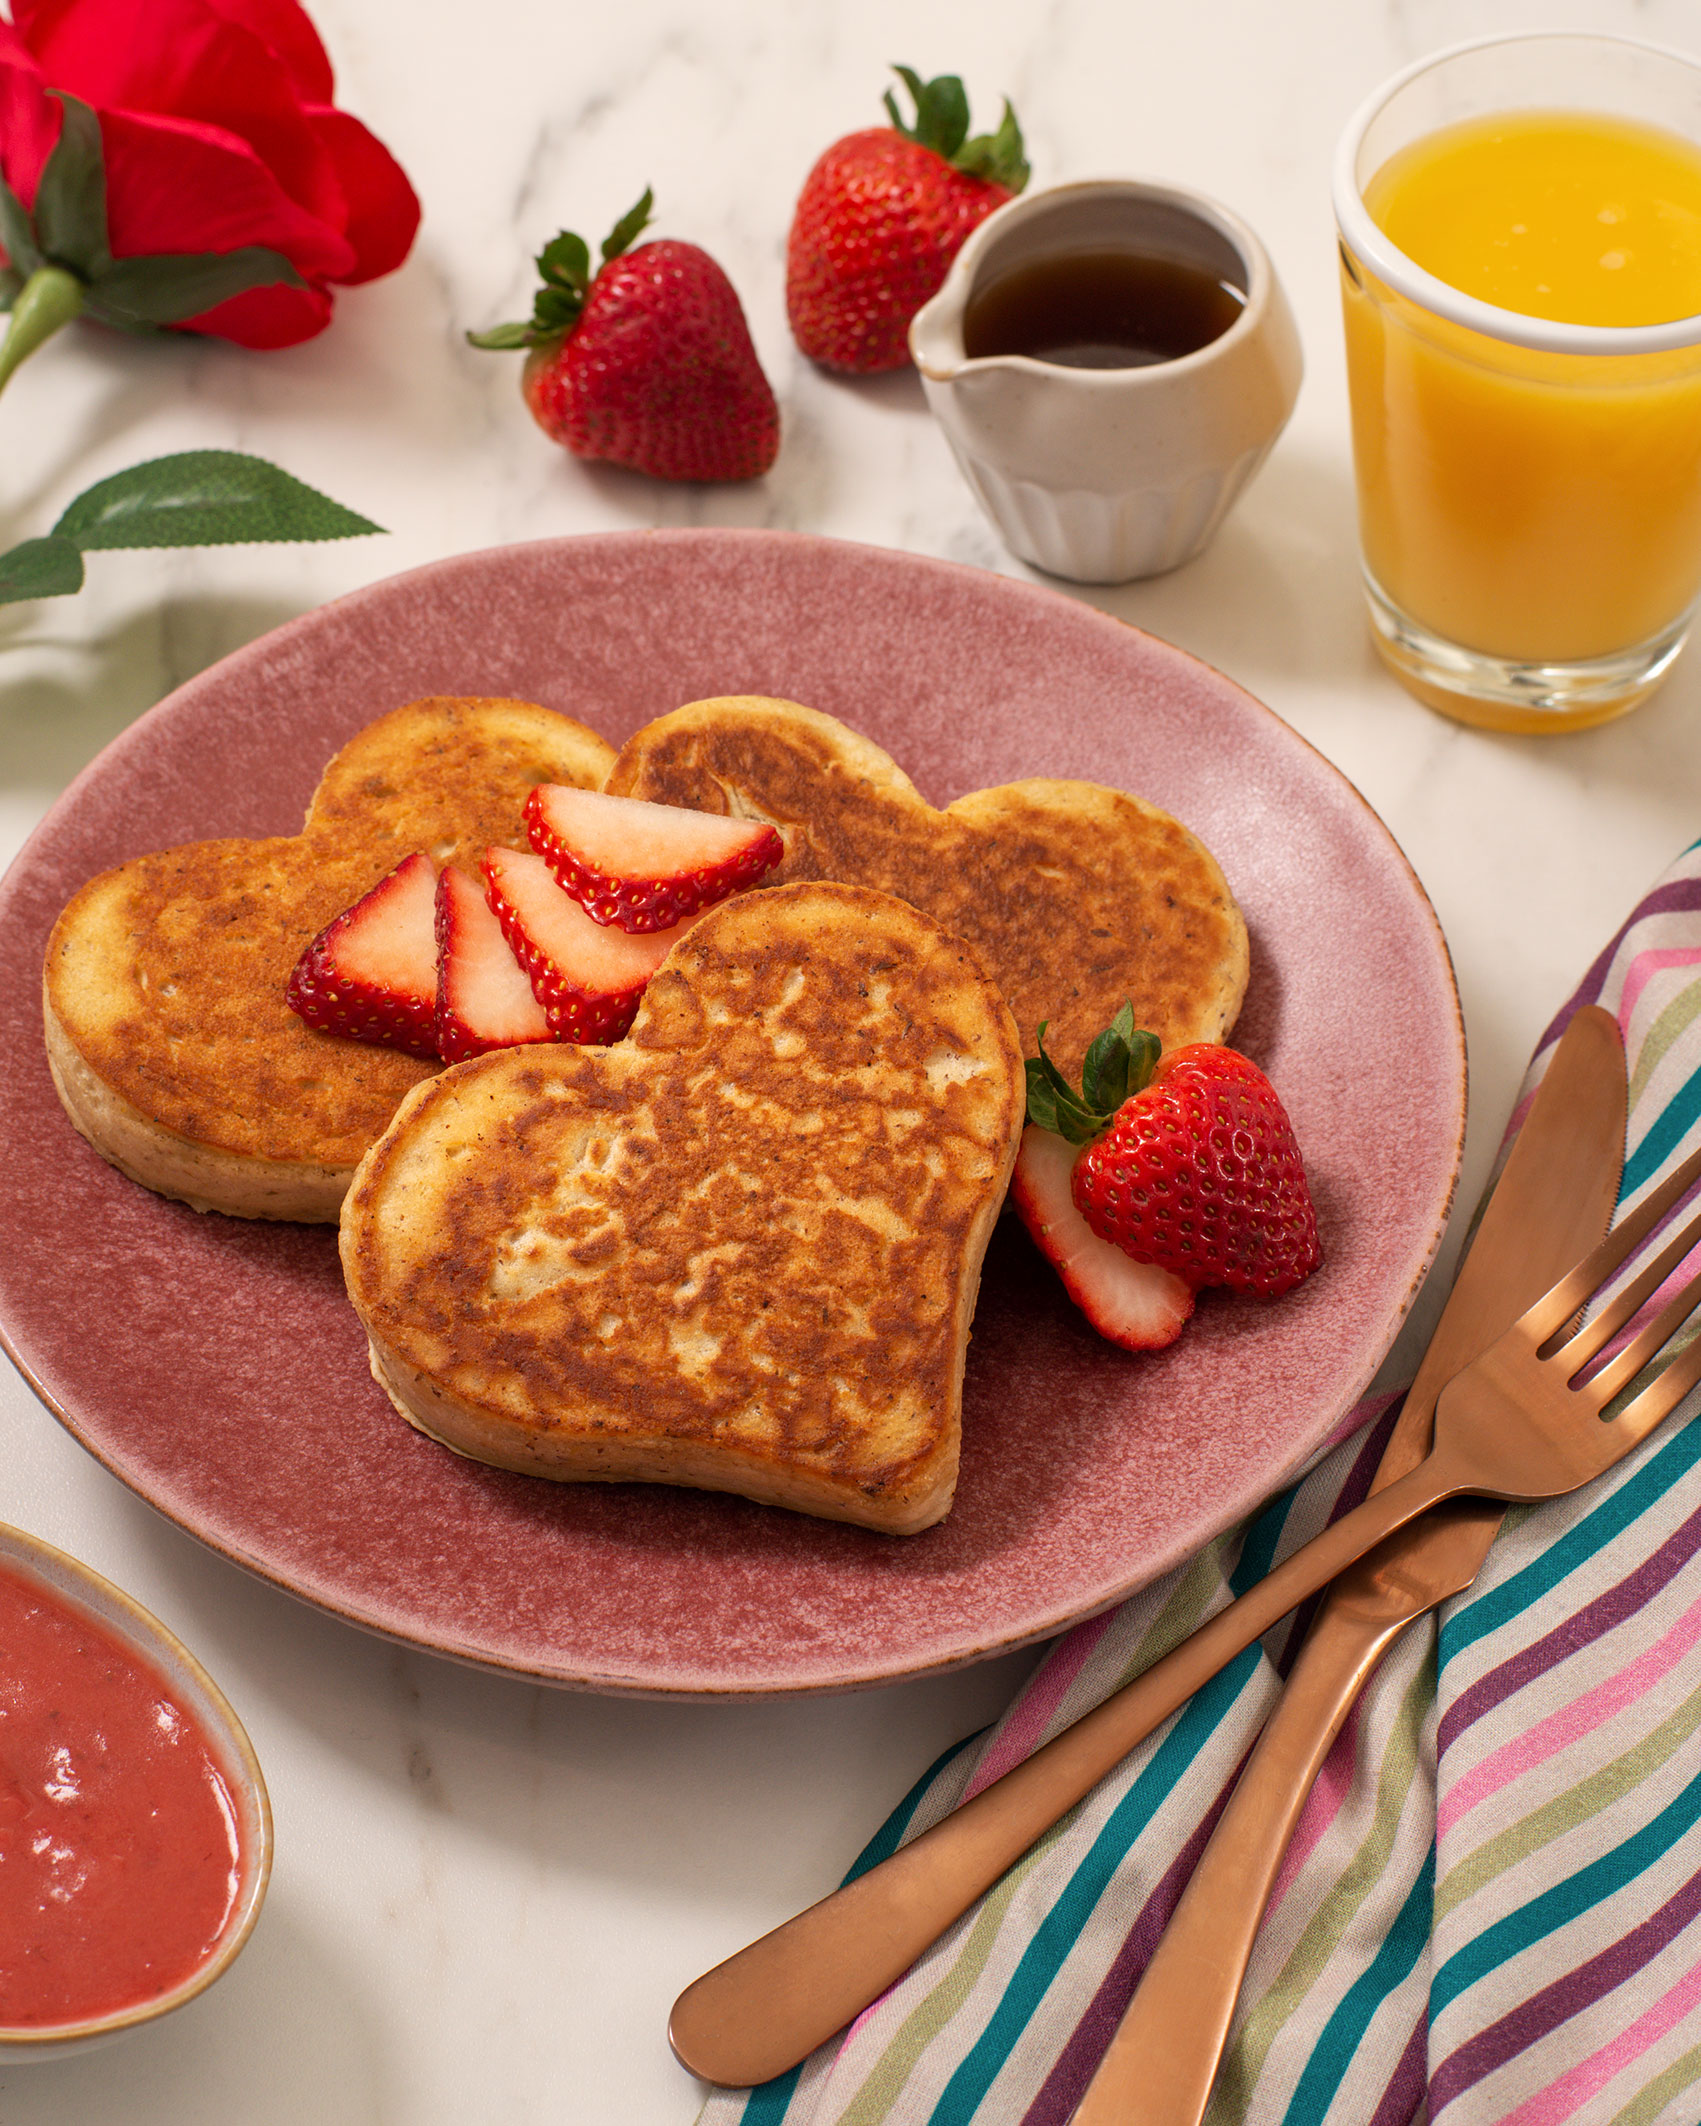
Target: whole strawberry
1190 1161
648 363
882 215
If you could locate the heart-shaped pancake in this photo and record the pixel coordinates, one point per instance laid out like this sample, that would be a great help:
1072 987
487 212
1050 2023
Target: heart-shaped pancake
168 1035
1075 896
739 1250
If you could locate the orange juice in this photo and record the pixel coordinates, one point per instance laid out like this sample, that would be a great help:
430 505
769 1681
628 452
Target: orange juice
1525 504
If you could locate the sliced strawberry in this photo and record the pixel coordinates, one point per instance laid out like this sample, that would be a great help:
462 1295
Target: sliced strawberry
587 979
483 997
640 866
371 973
1135 1304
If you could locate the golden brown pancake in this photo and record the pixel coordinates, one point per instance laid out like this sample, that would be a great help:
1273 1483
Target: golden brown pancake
168 1034
739 1250
1075 896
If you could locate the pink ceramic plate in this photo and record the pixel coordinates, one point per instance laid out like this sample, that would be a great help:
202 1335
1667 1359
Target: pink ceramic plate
214 1365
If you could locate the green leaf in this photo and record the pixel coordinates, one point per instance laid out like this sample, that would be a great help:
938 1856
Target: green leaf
1058 1099
502 338
171 286
1063 1117
1042 1101
619 238
11 287
565 262
70 200
999 157
17 232
204 498
941 111
40 568
1104 1074
564 265
1144 1050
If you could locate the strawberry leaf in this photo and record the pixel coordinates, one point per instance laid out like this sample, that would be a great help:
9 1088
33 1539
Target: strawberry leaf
1001 157
1104 1074
502 339
1042 1100
630 223
1067 1113
1056 1111
70 198
11 287
40 568
565 265
203 498
941 112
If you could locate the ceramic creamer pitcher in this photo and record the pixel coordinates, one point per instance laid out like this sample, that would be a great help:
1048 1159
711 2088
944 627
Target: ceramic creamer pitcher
1105 474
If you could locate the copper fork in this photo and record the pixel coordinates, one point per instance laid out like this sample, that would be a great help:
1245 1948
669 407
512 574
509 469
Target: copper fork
1528 1415
1515 1425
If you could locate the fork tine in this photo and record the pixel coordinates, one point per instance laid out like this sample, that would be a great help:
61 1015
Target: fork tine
1555 1308
1597 1332
1620 1371
1661 1397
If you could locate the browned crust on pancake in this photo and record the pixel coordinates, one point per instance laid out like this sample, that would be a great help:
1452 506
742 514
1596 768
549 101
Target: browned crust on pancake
739 1250
1074 895
166 975
449 775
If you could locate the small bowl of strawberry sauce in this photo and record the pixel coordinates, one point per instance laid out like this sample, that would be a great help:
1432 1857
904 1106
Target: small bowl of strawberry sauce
135 1833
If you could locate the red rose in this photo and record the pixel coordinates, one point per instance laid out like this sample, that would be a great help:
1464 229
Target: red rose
218 135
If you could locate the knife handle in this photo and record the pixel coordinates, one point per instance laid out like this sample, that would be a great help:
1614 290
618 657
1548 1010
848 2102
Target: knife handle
1163 2059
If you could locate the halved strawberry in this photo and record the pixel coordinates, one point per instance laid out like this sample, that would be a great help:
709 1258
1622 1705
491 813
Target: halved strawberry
1135 1304
483 997
640 866
371 973
586 978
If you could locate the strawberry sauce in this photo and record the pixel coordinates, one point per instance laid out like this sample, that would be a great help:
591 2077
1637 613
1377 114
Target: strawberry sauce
119 1856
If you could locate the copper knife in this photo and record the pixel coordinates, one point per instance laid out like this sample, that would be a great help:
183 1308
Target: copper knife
770 2005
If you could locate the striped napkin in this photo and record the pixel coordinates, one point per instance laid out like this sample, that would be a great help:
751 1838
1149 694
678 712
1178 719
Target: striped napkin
1492 1908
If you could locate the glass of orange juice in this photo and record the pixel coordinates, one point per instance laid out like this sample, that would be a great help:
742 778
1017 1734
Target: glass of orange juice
1520 223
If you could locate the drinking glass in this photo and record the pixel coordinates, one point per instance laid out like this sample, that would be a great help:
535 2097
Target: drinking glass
1529 491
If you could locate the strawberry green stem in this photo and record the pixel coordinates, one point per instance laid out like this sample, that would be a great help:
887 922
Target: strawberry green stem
50 298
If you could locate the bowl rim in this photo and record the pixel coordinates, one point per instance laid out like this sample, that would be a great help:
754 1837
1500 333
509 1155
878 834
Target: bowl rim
69 1580
1365 241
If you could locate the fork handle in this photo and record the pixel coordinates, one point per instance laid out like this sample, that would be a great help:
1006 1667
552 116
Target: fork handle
769 2006
1163 2060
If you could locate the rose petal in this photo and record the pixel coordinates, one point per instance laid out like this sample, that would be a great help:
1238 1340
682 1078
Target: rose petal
383 211
266 317
286 28
29 118
183 59
174 186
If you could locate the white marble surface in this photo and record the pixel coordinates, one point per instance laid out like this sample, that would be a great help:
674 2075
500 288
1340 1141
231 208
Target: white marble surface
486 1895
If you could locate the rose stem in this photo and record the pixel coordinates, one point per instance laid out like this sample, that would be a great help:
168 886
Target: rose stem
51 297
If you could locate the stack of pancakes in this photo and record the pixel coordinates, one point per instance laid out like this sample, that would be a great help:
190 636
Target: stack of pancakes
739 1250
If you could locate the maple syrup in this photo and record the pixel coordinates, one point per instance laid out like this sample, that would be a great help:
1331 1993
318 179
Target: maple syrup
1104 309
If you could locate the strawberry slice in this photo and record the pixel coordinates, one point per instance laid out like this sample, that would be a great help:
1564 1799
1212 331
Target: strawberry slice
483 997
586 978
645 867
1135 1304
371 973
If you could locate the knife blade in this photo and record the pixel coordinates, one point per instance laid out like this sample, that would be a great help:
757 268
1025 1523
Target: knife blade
1554 1201
769 2006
